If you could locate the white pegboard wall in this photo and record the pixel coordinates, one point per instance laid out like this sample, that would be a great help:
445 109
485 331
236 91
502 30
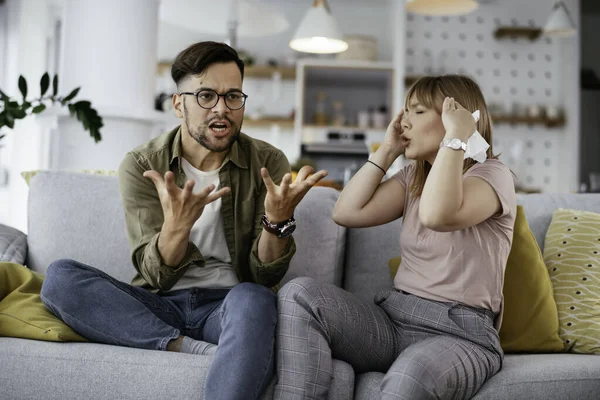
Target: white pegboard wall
509 72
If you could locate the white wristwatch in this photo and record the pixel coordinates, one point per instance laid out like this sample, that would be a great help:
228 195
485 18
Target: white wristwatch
454 144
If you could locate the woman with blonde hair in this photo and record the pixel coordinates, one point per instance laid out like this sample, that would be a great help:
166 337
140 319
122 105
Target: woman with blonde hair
435 333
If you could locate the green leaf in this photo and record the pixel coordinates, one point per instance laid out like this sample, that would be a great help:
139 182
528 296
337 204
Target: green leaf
83 104
55 85
71 95
10 121
44 83
25 106
18 114
23 86
1 136
3 95
38 109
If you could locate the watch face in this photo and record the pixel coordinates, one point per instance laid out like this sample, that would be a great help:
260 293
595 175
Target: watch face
455 143
287 231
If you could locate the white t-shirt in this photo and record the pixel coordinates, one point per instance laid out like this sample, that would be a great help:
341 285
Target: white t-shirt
209 236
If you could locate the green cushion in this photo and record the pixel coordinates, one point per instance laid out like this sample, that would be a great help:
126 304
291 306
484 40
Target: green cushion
22 313
572 254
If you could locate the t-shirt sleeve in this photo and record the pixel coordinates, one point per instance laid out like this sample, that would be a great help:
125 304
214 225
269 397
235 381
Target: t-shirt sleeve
500 178
404 175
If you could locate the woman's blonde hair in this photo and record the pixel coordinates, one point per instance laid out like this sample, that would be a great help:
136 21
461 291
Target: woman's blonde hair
430 91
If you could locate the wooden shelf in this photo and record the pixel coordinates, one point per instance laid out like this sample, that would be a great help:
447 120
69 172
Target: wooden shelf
548 122
515 32
262 122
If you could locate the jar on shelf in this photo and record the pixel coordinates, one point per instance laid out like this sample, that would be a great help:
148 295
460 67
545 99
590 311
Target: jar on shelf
321 117
338 118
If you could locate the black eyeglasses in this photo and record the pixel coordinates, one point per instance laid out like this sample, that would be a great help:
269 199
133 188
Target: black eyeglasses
208 98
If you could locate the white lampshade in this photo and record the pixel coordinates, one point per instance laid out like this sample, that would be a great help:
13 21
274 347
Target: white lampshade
441 7
318 32
559 23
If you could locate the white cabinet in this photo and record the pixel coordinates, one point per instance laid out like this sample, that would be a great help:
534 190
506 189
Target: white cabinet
342 107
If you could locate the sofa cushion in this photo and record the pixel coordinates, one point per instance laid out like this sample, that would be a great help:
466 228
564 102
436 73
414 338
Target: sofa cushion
13 245
22 313
530 322
320 242
572 255
367 253
539 208
78 216
523 377
73 371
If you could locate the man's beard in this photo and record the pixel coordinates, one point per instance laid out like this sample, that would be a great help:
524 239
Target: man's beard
200 135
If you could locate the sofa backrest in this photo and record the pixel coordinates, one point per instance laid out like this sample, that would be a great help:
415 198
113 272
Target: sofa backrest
368 250
80 216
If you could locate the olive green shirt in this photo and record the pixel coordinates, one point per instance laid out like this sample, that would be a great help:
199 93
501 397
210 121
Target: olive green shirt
242 210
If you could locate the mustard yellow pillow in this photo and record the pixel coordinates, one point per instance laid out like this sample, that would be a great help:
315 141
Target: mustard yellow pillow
27 175
530 319
572 254
22 313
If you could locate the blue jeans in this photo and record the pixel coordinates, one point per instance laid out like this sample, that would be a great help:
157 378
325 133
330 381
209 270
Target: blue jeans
240 320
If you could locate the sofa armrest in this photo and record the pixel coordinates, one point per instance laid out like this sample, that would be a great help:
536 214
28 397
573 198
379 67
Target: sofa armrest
13 245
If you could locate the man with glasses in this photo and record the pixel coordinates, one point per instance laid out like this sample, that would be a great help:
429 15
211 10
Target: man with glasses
209 214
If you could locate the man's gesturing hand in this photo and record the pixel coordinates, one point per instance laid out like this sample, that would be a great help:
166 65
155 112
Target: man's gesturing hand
182 207
281 201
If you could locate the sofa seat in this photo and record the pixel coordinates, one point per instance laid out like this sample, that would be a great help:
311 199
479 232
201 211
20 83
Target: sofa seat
31 369
526 377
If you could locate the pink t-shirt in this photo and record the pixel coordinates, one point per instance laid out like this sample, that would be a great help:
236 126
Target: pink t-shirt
465 266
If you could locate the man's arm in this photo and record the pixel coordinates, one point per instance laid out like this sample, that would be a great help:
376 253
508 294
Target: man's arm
270 256
160 254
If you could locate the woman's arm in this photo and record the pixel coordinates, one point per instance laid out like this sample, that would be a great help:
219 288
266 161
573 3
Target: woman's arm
365 201
448 201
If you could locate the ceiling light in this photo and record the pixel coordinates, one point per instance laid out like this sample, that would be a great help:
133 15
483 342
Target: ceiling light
559 23
318 32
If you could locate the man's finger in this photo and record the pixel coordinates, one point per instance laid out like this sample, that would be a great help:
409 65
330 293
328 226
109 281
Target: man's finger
170 184
204 193
304 172
216 195
316 177
285 183
188 189
267 180
154 176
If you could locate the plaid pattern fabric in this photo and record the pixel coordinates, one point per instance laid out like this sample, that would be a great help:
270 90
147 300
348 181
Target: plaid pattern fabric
428 349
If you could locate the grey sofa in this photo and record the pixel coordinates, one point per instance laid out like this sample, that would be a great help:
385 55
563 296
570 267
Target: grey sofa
79 216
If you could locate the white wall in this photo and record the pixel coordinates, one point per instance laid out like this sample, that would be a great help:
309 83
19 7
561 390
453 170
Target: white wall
28 27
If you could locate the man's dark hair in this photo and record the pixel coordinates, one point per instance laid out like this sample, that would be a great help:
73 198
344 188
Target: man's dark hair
198 57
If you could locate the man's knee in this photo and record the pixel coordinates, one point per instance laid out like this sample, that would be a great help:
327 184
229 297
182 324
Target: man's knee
251 300
58 279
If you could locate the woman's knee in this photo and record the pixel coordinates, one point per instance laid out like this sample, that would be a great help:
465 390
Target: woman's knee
299 288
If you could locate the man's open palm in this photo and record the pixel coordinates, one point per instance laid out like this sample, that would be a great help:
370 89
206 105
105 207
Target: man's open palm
182 207
281 201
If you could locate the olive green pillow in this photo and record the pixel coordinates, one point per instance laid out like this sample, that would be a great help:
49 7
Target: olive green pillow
22 313
572 254
530 319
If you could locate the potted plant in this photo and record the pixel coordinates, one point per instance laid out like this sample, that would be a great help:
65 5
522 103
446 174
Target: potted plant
13 109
